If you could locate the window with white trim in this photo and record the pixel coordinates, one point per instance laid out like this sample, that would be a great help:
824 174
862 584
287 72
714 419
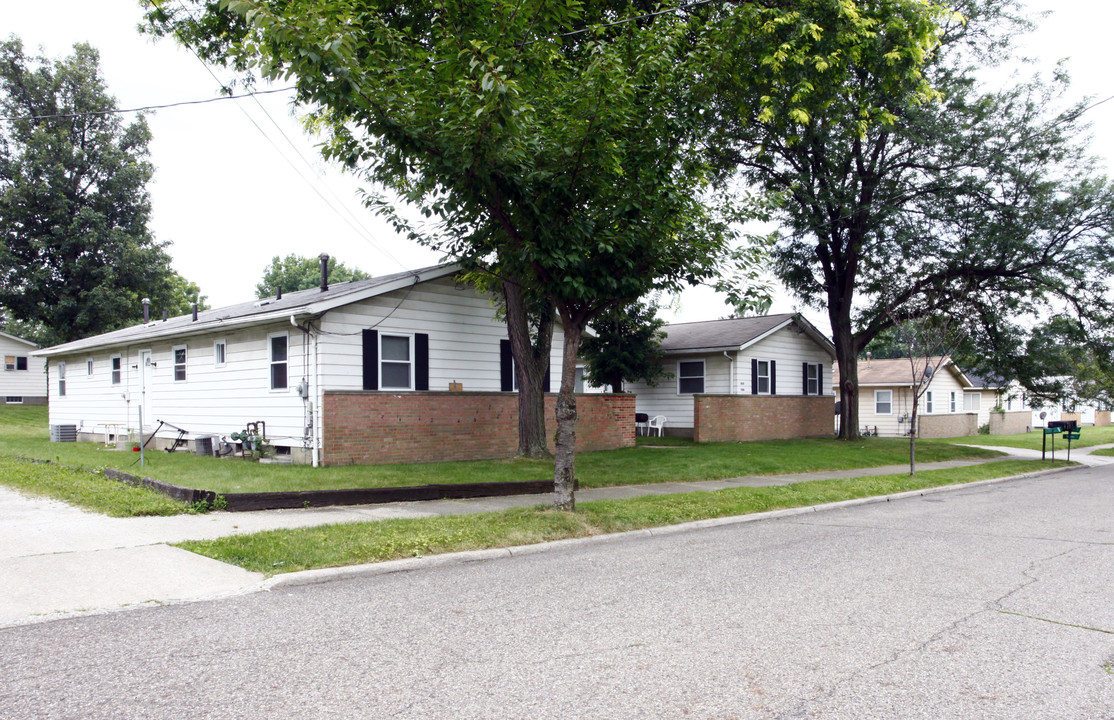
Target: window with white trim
972 402
13 399
179 352
928 402
15 362
116 368
220 350
61 379
813 375
89 367
763 385
280 354
952 404
396 362
883 402
690 377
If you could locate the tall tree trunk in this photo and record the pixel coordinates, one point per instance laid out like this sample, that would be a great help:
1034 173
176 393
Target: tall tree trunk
564 467
531 363
847 357
913 435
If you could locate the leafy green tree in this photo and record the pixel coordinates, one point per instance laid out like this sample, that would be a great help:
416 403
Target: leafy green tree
76 256
905 201
558 142
625 346
295 272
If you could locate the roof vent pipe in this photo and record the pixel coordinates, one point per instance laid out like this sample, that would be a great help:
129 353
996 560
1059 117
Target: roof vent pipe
324 258
164 315
146 310
278 293
194 306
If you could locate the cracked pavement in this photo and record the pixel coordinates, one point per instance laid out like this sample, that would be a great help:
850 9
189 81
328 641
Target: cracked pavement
985 602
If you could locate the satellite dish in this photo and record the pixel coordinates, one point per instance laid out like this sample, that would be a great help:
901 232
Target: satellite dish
1043 414
928 371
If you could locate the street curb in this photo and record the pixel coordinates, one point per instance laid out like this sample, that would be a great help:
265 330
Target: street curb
325 575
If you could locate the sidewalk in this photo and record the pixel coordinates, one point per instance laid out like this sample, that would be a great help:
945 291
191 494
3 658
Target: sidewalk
57 560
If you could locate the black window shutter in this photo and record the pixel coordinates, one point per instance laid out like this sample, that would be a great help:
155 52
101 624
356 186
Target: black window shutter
421 359
545 382
804 367
819 378
773 377
753 376
506 368
371 359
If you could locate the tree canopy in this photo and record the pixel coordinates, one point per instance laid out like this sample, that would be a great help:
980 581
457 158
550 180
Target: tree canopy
76 256
296 272
922 193
625 346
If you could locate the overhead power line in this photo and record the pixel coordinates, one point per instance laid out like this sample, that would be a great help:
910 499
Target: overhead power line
121 111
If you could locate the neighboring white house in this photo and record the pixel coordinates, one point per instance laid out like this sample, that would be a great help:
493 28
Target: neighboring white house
21 379
274 359
984 395
886 398
769 355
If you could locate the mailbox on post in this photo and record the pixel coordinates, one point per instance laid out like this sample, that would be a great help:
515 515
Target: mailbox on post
1070 428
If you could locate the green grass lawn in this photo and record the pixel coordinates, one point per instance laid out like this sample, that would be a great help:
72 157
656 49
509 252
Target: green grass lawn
25 433
282 551
1088 436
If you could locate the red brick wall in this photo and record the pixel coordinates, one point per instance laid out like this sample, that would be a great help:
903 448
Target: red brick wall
375 428
739 418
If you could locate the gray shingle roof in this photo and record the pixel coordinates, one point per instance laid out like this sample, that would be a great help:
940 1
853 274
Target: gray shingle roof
733 333
247 313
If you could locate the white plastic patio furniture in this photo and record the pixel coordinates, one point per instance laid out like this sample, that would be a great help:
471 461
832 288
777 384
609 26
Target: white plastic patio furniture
657 423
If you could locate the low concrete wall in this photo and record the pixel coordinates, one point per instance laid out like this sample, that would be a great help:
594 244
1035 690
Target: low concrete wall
1102 418
947 425
374 428
1010 423
741 418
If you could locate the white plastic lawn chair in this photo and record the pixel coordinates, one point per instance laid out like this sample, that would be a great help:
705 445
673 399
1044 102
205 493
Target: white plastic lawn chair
657 423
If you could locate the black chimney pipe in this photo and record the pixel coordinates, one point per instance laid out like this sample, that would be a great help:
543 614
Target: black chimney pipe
278 293
324 258
146 310
164 314
194 306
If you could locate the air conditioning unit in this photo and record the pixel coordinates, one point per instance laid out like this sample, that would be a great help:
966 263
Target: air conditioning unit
63 433
206 446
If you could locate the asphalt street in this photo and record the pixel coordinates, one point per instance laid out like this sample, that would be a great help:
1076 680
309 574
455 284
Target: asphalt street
985 602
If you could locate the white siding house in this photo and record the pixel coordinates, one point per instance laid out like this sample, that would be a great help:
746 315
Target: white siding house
273 359
21 377
886 393
776 355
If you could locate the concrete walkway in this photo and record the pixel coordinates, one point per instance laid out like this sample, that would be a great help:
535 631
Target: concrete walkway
58 561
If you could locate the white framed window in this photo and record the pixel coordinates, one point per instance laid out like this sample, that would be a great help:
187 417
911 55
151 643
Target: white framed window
928 404
13 399
762 379
278 345
220 353
61 379
396 362
812 379
89 367
952 401
971 402
883 402
179 352
15 362
690 377
116 364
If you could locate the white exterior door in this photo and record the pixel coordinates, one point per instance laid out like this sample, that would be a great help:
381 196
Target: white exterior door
146 379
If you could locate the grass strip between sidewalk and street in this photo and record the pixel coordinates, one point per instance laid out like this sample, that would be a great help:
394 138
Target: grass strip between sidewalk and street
281 551
86 489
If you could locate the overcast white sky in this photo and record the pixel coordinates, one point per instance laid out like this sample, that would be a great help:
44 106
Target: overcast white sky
229 195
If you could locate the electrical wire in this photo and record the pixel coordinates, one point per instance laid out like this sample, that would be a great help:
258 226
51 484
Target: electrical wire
121 111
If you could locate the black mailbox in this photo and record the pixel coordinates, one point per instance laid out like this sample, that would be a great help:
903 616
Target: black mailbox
1063 424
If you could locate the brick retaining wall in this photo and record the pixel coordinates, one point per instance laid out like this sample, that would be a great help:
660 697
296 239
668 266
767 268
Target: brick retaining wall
741 418
1010 423
376 428
947 425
